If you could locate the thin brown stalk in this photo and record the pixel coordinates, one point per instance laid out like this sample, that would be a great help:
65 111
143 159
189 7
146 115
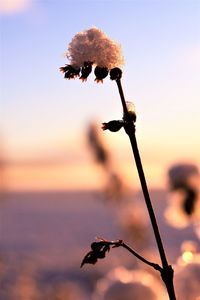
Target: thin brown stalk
167 271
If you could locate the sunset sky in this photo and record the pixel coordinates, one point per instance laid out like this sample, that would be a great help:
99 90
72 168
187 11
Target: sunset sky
44 118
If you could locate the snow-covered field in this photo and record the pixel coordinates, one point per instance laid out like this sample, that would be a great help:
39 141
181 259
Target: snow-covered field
44 236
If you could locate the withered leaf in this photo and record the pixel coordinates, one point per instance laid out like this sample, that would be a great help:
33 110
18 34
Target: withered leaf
99 250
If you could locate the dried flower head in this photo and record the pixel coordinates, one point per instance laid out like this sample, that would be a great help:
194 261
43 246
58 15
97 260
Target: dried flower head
93 47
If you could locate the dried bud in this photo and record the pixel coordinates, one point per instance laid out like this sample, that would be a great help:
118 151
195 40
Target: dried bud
113 126
99 250
86 70
101 73
70 72
115 73
90 258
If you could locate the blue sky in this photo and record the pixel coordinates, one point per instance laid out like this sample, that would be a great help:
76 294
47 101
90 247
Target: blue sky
161 44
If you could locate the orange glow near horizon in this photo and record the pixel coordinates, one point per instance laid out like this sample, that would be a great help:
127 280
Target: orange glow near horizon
50 177
83 176
73 168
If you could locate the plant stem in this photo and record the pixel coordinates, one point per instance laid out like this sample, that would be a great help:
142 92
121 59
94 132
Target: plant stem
120 243
153 265
167 271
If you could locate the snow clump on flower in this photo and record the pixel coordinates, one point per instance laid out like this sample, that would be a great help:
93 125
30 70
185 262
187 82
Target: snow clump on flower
94 46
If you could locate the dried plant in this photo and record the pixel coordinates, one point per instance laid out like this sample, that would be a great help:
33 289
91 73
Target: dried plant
180 179
92 48
183 207
114 187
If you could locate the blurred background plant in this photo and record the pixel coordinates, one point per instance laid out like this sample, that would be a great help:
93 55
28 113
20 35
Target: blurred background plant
130 218
184 196
114 188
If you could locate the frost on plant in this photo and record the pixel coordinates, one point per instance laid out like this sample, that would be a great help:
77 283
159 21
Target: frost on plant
90 48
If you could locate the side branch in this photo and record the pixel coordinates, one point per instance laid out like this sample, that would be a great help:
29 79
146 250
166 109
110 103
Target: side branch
99 250
144 260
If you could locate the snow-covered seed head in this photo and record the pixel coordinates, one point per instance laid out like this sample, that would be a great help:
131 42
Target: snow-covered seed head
95 47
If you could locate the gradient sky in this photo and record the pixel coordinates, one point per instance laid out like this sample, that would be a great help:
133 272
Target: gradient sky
44 117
